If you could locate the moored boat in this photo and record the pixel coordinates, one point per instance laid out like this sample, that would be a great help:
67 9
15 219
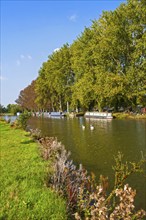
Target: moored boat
56 114
102 115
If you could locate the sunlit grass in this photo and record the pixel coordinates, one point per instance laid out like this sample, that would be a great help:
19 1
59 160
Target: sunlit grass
24 194
123 115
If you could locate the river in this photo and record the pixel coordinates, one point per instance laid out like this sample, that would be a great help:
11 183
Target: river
96 149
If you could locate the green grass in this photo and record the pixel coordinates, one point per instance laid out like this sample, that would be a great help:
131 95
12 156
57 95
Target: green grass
24 194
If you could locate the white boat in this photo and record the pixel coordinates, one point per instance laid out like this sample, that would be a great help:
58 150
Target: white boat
102 115
56 114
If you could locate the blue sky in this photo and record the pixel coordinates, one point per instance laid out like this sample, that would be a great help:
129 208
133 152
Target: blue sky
31 30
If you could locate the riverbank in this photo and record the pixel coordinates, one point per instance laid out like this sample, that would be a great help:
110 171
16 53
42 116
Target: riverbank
123 115
117 115
24 194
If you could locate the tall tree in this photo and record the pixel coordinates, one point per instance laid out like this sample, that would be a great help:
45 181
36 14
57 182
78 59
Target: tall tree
83 63
27 97
55 79
105 65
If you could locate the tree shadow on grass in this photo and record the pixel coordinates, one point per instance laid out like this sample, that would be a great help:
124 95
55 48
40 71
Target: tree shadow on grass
27 142
27 135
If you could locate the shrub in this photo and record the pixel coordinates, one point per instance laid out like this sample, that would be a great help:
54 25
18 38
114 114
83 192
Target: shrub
85 198
35 133
22 120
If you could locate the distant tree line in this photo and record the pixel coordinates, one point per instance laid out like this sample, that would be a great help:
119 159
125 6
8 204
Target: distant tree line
11 108
104 66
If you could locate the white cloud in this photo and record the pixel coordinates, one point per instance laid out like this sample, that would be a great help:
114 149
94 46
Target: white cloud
21 59
57 49
29 57
73 18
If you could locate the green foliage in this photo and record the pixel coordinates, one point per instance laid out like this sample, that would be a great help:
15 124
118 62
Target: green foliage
2 109
22 120
13 108
24 194
123 171
10 109
104 66
53 86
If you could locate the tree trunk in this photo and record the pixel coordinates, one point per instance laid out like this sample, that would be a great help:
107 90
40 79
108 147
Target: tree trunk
67 104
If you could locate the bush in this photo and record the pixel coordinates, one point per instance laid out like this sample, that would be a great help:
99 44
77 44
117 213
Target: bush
22 120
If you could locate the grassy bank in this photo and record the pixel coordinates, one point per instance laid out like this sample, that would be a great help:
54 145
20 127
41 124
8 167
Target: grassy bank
122 115
22 181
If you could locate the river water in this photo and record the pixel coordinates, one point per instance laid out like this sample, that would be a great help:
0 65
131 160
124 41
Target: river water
95 149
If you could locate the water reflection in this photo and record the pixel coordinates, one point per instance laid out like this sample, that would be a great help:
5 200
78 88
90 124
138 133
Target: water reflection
10 118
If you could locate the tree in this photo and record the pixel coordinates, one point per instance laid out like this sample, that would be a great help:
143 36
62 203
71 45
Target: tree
43 94
136 74
105 65
13 108
2 109
55 80
82 62
27 98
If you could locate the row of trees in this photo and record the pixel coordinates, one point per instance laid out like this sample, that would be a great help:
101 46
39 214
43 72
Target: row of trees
11 108
104 66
